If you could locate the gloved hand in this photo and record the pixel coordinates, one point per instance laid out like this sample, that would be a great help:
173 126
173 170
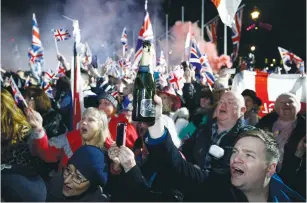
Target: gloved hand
157 130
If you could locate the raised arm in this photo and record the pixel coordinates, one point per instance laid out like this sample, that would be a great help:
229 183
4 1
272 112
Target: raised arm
48 150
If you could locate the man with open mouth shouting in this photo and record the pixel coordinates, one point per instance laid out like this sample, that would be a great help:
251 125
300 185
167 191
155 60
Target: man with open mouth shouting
253 162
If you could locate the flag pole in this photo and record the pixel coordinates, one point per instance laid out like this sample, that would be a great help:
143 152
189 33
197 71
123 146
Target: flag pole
202 18
225 39
182 14
68 18
56 45
133 40
167 51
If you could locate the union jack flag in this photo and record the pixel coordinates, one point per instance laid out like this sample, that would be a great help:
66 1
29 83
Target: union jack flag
124 41
146 33
16 93
123 63
207 76
35 57
36 52
36 39
61 34
289 58
61 70
48 89
236 34
212 29
195 55
50 74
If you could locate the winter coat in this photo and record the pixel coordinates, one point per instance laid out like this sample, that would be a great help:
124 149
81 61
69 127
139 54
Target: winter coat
17 158
131 134
194 182
197 147
53 124
55 192
293 170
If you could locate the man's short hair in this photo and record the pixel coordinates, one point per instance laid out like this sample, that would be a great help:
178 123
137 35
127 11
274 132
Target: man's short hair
272 153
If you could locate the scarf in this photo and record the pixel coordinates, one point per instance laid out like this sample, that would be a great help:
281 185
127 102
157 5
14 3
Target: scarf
282 131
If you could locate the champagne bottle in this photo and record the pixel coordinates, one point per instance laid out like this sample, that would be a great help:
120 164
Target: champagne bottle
144 89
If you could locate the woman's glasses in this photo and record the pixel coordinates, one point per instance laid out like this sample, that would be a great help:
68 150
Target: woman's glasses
77 178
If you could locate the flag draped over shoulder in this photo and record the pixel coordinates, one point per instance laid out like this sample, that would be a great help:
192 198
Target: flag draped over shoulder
227 10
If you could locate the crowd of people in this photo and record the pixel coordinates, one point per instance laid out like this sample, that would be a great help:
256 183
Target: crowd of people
207 144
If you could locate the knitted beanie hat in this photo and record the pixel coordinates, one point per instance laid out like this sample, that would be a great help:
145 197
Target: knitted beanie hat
89 160
107 91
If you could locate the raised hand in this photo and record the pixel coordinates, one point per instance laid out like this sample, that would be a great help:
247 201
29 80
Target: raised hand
34 118
113 153
126 158
157 129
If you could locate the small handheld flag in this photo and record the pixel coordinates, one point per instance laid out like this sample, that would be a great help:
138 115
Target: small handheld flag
61 34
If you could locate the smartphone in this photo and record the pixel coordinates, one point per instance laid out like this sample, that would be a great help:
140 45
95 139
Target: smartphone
121 134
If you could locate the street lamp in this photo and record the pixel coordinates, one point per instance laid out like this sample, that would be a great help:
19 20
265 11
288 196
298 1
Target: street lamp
255 14
253 48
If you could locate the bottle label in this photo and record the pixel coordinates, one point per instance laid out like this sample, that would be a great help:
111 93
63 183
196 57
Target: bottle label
147 108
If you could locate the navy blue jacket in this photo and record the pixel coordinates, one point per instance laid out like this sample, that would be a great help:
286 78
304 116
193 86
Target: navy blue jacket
194 182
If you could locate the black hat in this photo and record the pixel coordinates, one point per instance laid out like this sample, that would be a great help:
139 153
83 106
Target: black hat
206 93
252 94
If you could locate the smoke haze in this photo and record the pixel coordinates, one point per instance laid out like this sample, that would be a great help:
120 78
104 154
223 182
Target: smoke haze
101 24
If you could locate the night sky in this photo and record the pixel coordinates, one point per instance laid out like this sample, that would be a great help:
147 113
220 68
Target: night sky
288 20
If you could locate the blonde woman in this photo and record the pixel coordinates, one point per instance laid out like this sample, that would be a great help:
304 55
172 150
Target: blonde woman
20 180
93 131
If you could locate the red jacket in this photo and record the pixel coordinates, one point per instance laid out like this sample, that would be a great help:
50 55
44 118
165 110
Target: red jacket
60 148
131 134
